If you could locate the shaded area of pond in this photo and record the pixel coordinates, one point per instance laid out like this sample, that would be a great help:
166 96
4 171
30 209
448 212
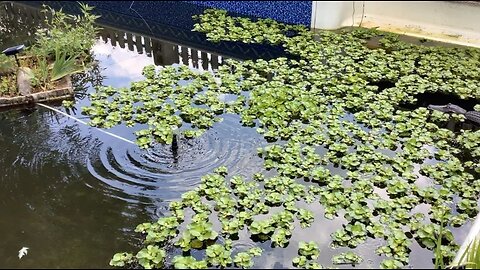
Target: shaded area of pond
74 195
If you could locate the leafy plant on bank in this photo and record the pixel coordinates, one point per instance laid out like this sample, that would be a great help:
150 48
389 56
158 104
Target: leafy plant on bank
74 35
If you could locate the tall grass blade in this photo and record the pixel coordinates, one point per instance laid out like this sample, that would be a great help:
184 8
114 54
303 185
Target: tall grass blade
64 66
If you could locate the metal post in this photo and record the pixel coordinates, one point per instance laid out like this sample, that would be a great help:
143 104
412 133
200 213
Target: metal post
16 59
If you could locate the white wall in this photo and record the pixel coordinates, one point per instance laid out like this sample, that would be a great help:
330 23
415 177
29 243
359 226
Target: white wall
454 22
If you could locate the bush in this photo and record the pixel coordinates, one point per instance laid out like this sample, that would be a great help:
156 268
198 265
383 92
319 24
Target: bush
71 34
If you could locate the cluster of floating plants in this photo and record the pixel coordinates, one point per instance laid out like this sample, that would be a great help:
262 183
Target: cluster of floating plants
164 101
325 110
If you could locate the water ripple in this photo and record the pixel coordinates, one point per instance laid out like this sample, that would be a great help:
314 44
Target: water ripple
158 174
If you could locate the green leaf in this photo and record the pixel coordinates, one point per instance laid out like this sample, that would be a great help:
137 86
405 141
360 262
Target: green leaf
64 65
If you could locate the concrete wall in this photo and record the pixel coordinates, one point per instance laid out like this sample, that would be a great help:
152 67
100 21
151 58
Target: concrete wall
454 22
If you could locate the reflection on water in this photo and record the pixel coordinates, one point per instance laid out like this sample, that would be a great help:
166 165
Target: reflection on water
163 52
17 24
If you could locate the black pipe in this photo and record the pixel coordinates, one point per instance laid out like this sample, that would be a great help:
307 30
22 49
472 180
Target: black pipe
175 148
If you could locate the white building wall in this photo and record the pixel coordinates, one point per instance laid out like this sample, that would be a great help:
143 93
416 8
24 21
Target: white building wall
454 22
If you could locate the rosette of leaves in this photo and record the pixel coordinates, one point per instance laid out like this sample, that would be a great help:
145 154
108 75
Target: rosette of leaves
397 187
397 246
306 217
308 249
307 252
196 235
244 259
218 255
391 264
358 211
281 237
351 235
121 259
159 232
347 258
151 257
181 262
468 206
430 235
320 174
232 226
273 199
283 219
262 228
470 140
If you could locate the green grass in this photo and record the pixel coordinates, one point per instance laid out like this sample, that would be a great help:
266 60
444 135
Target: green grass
471 256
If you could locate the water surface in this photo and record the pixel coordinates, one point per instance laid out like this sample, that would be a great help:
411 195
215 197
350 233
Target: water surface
73 195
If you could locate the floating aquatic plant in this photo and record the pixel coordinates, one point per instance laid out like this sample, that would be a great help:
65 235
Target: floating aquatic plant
347 258
336 104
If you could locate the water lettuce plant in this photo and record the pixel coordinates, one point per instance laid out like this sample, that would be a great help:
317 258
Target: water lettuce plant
347 258
345 130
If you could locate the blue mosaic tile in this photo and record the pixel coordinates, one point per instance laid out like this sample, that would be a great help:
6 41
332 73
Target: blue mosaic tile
179 13
173 13
292 12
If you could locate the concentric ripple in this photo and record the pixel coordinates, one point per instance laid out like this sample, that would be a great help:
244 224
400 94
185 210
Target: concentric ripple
160 174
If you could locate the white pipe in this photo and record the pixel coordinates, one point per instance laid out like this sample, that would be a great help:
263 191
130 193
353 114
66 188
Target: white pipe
85 123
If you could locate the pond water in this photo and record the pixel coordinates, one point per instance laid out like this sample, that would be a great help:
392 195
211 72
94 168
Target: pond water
73 195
